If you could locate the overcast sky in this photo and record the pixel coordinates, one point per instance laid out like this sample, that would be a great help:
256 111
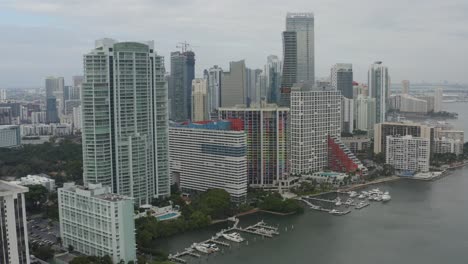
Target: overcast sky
421 40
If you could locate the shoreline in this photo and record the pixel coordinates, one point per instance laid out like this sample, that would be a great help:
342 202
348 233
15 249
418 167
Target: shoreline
252 211
377 181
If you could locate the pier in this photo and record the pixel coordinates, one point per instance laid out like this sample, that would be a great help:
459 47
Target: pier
260 229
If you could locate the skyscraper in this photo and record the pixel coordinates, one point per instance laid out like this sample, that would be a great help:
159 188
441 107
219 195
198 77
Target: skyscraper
405 84
438 99
180 84
199 100
253 86
234 90
213 77
51 110
379 83
315 116
298 52
124 121
342 79
272 75
14 247
54 87
364 113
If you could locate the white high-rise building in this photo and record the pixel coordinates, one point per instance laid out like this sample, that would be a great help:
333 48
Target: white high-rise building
14 247
408 153
77 112
209 156
315 114
199 100
97 222
125 120
407 103
213 76
379 85
3 94
438 99
364 113
347 115
405 85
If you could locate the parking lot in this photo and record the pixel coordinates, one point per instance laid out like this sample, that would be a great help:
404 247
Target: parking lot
43 232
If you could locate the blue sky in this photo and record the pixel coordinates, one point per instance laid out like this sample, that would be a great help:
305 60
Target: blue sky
419 40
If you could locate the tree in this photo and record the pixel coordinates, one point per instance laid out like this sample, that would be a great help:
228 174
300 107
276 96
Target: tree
70 248
379 158
215 203
35 197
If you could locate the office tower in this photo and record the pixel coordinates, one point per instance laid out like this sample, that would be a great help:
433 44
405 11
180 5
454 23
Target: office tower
272 75
408 153
364 114
405 84
210 156
382 130
233 89
267 142
315 115
6 117
180 84
253 82
10 136
3 95
124 120
199 100
213 77
51 110
298 52
14 248
347 115
342 79
438 99
378 81
96 222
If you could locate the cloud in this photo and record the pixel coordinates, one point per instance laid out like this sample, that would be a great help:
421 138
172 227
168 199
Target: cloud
418 40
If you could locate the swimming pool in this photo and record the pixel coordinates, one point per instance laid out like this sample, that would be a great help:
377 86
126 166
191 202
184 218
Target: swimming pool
167 216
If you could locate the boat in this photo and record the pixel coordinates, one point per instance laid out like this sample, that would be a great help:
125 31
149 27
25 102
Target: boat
362 196
349 201
203 248
213 247
337 212
362 204
386 197
338 202
236 237
352 194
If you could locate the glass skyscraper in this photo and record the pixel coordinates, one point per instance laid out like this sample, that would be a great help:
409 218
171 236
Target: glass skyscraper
125 120
379 84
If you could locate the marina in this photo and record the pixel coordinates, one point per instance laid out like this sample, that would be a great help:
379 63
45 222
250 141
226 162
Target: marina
232 234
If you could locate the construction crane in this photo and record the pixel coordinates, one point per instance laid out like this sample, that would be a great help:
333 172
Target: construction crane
184 46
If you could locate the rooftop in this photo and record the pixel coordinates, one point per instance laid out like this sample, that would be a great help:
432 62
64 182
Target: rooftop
7 188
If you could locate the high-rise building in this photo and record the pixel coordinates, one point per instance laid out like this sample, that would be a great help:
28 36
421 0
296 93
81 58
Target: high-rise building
298 52
77 81
199 100
315 115
77 112
10 136
347 115
233 89
408 153
51 110
379 84
38 117
213 77
6 117
341 78
253 82
14 248
407 103
96 222
382 130
210 155
180 84
266 127
438 99
124 120
360 89
272 73
364 113
3 95
405 85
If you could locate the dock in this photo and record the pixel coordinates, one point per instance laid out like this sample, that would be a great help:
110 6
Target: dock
313 206
260 229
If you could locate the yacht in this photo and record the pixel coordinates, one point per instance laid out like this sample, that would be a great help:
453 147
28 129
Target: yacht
337 212
386 197
338 202
203 248
236 237
352 194
349 201
362 204
362 196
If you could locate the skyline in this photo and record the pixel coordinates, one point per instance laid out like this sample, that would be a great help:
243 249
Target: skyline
50 38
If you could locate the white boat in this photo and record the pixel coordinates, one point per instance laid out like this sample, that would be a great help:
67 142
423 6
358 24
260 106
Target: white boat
349 201
362 204
213 247
236 237
386 197
352 194
338 202
362 196
337 212
203 248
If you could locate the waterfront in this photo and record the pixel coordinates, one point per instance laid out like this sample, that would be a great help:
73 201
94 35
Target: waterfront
424 223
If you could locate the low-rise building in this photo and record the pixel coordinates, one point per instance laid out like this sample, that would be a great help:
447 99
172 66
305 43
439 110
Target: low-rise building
41 179
210 155
408 153
96 222
335 178
10 136
14 248
448 145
